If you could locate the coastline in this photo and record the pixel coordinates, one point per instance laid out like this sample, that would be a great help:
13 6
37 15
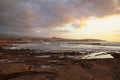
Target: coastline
23 64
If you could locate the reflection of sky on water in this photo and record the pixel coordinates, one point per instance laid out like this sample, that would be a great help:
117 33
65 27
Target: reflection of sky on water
97 55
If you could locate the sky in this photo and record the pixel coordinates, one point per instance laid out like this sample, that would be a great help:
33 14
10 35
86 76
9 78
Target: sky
73 19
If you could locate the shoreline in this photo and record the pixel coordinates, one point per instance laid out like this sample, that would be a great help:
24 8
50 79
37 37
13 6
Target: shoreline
25 64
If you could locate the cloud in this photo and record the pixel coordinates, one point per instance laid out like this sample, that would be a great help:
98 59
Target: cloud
117 33
23 16
16 17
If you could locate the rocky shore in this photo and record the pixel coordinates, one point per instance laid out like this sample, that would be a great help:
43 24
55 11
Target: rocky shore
25 64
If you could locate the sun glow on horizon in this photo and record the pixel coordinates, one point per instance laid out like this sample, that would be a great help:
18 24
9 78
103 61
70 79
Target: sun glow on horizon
105 28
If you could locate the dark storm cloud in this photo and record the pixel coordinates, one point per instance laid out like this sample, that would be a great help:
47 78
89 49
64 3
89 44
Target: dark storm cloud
22 16
16 17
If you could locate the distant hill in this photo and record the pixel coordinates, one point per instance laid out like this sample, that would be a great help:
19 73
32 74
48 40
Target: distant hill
92 40
33 38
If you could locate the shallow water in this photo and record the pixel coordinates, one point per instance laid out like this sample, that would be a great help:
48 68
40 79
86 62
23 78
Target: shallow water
98 51
59 46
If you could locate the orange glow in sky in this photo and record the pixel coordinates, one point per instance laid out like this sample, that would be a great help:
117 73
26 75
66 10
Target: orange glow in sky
106 28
